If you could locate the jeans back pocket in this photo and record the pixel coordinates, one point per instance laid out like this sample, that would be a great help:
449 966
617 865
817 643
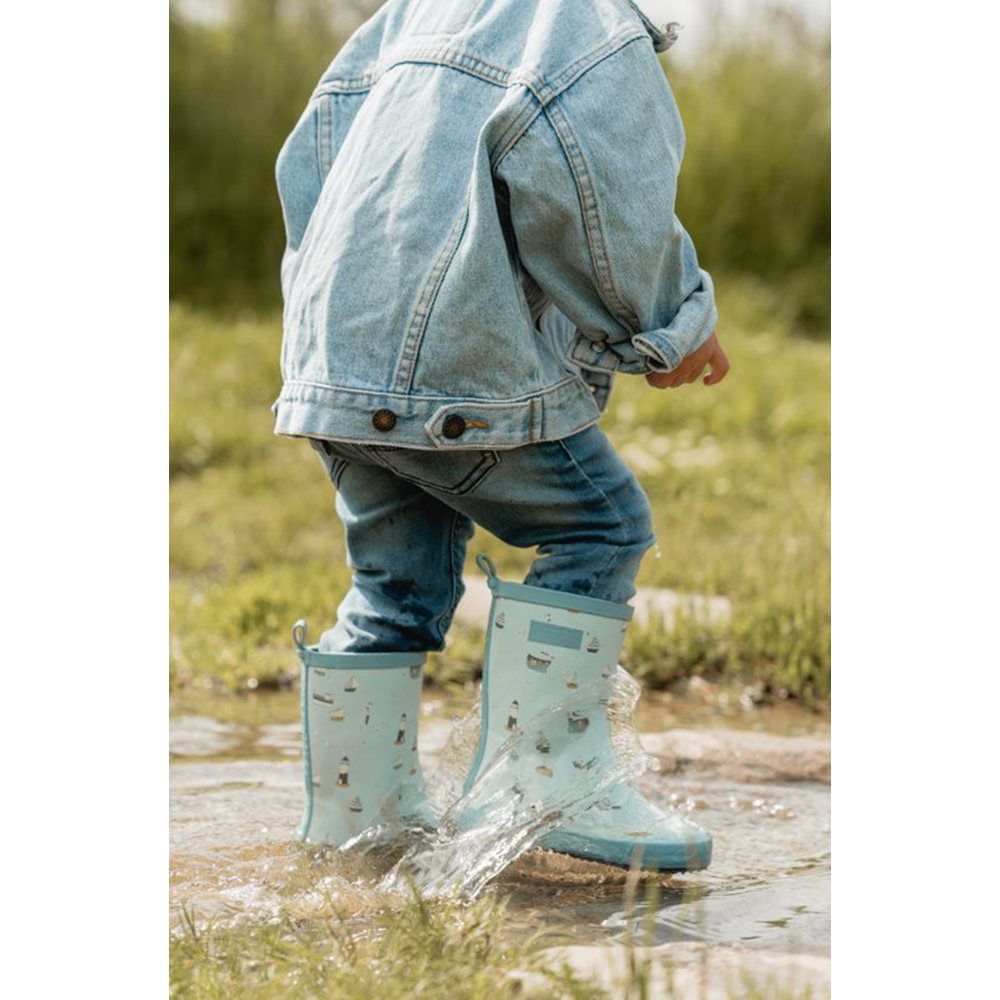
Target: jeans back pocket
454 471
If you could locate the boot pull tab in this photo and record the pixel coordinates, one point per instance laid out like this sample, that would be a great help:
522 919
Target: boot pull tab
485 563
299 635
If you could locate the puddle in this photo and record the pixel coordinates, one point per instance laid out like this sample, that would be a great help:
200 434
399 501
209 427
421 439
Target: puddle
236 799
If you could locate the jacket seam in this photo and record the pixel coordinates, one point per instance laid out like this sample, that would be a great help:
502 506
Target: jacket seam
518 125
324 131
563 81
524 397
441 55
591 213
318 140
410 349
544 92
561 86
570 74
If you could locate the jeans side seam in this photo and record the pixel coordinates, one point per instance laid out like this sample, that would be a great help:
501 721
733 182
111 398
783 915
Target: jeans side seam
456 574
611 506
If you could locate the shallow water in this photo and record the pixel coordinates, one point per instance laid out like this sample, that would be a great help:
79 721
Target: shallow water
236 798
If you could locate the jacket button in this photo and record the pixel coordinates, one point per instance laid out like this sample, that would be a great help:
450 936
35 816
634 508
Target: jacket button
453 426
384 420
598 346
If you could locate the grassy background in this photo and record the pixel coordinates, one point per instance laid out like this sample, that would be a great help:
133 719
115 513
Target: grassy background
738 476
754 189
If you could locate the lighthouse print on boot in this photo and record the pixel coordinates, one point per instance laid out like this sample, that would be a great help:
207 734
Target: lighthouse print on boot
360 770
512 714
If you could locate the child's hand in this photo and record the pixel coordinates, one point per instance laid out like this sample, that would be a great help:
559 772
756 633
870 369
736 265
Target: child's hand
710 353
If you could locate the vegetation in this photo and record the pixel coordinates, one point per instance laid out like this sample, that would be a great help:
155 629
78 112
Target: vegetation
435 950
236 90
754 189
738 477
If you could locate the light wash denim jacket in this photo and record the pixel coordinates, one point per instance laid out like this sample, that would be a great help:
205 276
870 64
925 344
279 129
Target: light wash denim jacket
479 205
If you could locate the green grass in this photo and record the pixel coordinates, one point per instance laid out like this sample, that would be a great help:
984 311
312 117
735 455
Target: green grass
754 188
738 477
428 950
433 950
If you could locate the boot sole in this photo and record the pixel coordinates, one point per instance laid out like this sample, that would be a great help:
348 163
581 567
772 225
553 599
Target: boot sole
687 857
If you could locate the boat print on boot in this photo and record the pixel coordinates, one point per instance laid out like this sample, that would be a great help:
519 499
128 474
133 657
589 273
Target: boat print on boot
621 820
540 662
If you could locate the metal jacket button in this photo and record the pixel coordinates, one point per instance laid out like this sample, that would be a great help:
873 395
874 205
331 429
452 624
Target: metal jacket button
453 426
599 346
384 420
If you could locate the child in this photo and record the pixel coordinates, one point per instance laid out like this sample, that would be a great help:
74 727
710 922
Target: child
479 205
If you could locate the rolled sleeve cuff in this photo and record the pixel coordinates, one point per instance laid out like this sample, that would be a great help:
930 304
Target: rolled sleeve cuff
655 350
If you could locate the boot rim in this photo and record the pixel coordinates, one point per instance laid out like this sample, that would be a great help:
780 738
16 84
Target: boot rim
312 657
561 599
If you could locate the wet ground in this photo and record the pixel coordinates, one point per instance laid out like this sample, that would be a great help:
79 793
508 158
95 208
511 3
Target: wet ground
756 776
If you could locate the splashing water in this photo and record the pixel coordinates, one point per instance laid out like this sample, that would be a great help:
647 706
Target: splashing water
236 796
485 829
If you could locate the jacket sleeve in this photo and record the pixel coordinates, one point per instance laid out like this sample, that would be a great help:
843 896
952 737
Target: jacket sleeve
591 186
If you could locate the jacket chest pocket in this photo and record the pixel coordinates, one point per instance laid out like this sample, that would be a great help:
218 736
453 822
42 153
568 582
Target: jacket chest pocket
452 472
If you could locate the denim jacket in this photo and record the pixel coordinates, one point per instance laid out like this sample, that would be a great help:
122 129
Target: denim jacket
479 208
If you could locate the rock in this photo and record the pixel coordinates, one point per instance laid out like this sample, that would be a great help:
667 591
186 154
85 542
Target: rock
649 603
658 602
738 755
684 969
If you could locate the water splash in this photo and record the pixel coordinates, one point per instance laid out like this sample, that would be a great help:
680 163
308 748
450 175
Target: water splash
507 810
236 799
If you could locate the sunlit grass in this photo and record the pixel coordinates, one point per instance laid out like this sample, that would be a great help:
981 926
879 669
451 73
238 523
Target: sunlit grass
438 950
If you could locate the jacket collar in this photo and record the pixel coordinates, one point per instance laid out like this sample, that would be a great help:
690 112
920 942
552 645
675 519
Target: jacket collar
663 37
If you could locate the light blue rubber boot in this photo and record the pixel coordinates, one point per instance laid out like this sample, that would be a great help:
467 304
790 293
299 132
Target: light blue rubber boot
359 734
547 678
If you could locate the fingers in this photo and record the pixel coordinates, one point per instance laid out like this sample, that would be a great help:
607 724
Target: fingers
674 379
718 365
692 368
662 380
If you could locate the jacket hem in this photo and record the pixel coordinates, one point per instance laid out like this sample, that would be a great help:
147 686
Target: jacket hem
339 413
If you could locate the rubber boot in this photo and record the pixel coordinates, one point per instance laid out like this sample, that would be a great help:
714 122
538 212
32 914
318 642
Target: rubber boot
359 733
547 678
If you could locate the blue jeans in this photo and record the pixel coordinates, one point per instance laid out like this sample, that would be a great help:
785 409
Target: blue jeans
408 515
